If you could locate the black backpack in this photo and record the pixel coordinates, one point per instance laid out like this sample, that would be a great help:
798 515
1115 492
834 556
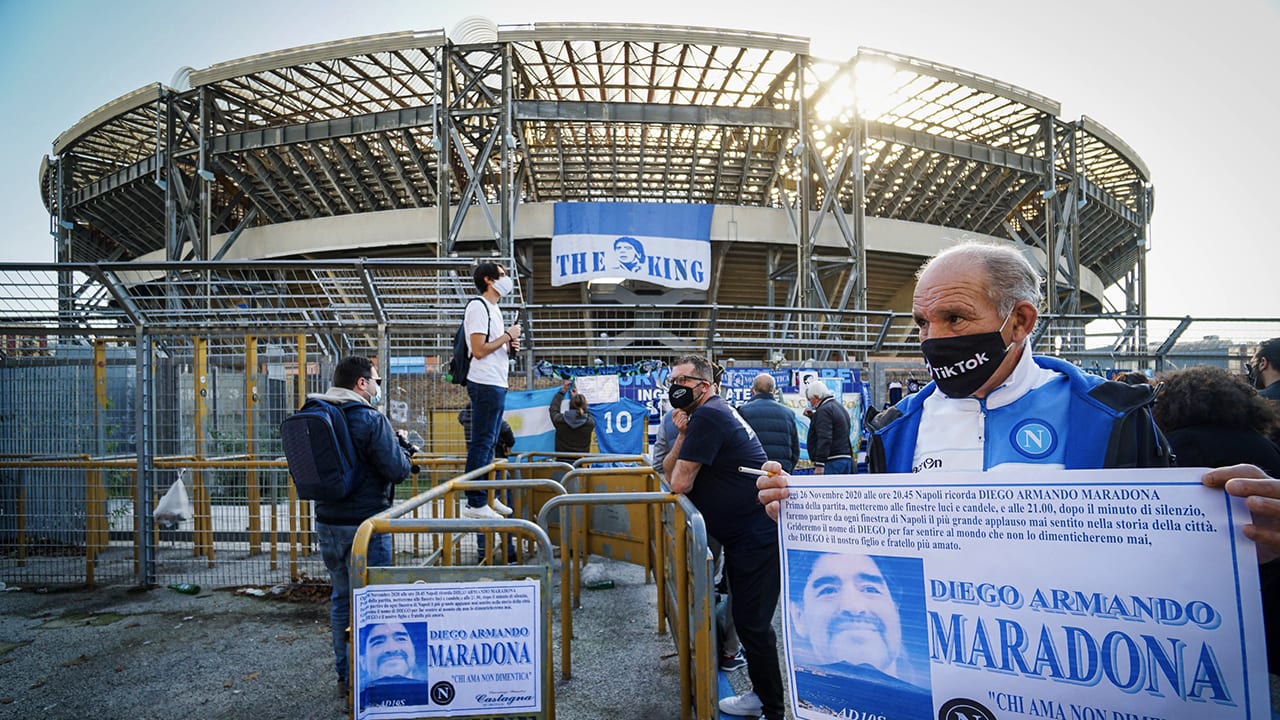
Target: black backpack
317 443
460 363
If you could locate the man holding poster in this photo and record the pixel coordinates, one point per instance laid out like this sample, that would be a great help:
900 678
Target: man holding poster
993 406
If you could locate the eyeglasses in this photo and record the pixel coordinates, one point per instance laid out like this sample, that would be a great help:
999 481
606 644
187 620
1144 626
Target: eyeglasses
372 379
678 379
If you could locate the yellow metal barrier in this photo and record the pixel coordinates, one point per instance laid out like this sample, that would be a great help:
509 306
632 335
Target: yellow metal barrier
689 567
441 501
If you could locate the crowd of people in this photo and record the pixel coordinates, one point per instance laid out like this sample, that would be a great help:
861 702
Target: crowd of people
975 306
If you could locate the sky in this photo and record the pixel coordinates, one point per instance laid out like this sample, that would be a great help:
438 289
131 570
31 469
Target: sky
1188 86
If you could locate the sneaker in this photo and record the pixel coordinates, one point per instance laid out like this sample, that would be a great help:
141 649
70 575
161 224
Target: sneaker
747 704
736 661
484 512
500 507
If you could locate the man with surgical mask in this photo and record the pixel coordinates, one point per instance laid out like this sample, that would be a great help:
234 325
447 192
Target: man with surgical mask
491 345
712 441
382 456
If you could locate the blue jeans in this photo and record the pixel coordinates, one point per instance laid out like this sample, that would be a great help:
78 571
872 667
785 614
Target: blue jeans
335 548
840 466
487 402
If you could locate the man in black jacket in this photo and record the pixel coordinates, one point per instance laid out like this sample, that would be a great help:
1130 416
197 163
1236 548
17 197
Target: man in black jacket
382 457
829 446
774 423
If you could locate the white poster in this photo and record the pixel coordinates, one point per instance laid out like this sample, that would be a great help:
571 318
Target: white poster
445 649
1074 595
598 389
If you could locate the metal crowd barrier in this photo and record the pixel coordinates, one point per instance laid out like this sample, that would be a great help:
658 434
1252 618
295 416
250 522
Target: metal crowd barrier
674 553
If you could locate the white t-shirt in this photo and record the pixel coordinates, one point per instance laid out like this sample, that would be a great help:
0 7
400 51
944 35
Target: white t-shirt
484 318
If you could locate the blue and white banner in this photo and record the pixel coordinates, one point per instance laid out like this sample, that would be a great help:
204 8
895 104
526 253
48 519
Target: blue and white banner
663 244
526 412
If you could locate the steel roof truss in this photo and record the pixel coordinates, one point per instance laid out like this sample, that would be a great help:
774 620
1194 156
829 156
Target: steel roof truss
307 170
331 174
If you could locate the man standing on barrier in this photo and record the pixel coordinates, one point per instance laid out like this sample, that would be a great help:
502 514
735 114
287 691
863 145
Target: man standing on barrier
712 442
382 457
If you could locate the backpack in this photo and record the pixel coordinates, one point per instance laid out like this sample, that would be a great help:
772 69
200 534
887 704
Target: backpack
460 363
317 443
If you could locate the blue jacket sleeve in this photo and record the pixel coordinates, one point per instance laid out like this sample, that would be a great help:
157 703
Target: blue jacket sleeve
383 451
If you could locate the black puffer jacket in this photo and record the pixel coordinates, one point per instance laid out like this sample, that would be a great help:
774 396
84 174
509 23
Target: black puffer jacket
775 426
829 432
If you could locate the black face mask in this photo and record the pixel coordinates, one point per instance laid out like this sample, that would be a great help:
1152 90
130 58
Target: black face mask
962 364
680 396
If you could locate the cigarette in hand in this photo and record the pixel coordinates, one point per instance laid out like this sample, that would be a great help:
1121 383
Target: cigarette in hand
753 471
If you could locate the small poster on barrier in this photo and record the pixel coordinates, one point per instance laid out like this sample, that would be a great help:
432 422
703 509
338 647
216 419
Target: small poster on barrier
1081 595
447 649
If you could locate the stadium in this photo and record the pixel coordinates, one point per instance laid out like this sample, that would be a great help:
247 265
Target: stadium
827 183
222 240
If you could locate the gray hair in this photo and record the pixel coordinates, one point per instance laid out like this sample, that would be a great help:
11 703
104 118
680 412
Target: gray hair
1010 276
816 389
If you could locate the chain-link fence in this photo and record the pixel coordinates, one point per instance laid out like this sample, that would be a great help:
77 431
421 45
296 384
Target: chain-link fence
120 385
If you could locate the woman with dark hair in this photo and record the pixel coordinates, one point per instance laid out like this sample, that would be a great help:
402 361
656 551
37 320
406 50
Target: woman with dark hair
1213 418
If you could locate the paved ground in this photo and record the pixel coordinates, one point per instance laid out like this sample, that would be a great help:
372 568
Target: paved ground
115 653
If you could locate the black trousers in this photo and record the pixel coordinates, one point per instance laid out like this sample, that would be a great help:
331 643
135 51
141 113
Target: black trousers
755 580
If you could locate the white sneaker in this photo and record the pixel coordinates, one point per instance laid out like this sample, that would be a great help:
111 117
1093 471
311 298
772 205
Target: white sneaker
501 507
747 704
484 512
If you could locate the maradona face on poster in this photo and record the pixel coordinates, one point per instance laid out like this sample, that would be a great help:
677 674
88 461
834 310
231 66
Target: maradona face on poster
392 665
857 635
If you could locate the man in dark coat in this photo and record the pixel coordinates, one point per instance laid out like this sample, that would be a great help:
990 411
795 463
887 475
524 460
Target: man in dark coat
383 456
829 446
774 423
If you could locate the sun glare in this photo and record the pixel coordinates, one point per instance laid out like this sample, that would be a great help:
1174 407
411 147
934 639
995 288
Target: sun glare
870 90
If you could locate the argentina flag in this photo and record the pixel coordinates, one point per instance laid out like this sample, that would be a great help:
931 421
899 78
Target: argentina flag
526 412
663 244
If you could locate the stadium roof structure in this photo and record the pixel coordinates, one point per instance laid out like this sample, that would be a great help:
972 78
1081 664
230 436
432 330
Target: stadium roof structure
858 168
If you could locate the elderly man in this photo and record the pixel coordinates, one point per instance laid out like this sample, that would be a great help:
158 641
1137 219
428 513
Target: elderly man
846 614
975 306
774 423
828 441
712 442
993 403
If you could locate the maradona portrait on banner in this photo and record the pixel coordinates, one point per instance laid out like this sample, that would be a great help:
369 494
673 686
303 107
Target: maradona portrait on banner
857 635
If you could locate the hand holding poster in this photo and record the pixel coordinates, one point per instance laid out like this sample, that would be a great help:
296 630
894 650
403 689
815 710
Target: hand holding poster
1081 595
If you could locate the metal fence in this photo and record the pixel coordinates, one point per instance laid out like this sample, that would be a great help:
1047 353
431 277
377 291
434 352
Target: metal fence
117 381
